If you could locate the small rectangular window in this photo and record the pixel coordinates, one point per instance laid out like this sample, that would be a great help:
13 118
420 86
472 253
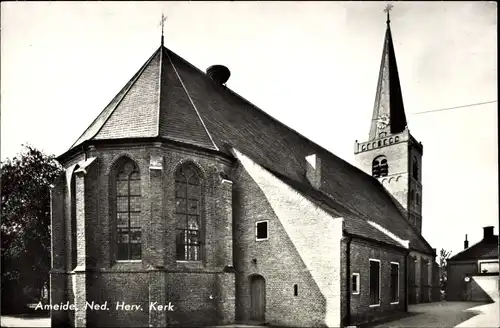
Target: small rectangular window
355 283
261 230
295 290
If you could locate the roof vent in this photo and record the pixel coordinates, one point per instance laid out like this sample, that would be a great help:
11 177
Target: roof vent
219 73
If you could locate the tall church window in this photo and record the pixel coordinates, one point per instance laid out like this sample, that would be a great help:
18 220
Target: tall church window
128 212
380 167
415 168
188 199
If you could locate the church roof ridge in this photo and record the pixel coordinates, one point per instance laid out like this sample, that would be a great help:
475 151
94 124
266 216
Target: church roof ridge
190 98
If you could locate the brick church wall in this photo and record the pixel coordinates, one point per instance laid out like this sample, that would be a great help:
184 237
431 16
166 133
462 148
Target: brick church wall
280 260
361 252
186 285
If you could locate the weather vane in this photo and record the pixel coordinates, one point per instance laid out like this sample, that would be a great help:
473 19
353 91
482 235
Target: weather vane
162 23
387 9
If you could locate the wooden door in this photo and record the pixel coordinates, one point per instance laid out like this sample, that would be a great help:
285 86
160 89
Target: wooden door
258 298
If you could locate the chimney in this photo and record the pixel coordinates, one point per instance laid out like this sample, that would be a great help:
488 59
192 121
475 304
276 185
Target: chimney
488 232
219 73
466 243
313 170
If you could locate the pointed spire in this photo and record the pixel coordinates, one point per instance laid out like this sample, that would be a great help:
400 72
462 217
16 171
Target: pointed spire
388 111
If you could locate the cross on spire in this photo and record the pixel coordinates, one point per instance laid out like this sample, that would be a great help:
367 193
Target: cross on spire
162 23
387 9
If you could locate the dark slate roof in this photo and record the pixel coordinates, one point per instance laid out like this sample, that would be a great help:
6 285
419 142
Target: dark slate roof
485 249
188 106
154 103
389 98
353 224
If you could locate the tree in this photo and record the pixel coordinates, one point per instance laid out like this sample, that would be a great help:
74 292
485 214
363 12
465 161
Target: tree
25 226
444 255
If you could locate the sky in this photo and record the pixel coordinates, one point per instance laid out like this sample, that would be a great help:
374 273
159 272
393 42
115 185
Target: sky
312 65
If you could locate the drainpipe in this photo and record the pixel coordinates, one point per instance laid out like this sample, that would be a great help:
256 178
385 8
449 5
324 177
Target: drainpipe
407 273
348 280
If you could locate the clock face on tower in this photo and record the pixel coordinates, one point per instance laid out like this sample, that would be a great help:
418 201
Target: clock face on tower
382 121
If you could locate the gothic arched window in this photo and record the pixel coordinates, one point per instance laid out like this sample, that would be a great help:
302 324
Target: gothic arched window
188 202
380 168
415 168
128 211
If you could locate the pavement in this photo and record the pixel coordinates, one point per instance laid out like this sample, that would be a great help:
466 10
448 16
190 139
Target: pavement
18 321
23 321
488 316
447 314
426 315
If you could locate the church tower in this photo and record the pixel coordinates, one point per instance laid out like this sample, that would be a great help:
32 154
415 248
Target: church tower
392 154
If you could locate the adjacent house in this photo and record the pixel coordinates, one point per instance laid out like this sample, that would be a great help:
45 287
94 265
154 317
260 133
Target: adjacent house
473 273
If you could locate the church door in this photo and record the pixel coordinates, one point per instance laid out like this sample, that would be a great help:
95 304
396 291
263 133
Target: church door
258 298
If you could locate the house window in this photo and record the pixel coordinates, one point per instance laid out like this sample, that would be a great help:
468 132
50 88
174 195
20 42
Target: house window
380 167
261 230
355 283
295 290
374 282
394 282
415 168
188 202
128 212
488 266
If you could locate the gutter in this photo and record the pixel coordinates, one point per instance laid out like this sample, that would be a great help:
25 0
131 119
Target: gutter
407 275
378 242
139 140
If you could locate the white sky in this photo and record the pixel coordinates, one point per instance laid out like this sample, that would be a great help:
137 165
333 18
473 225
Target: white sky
312 65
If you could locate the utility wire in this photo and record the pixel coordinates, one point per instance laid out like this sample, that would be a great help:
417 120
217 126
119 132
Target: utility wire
469 105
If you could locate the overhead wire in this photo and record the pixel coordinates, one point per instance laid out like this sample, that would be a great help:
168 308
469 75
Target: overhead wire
462 106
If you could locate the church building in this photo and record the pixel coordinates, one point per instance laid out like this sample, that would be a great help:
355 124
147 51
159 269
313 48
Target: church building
183 204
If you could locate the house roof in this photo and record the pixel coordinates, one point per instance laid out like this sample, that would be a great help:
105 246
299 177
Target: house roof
485 249
170 99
